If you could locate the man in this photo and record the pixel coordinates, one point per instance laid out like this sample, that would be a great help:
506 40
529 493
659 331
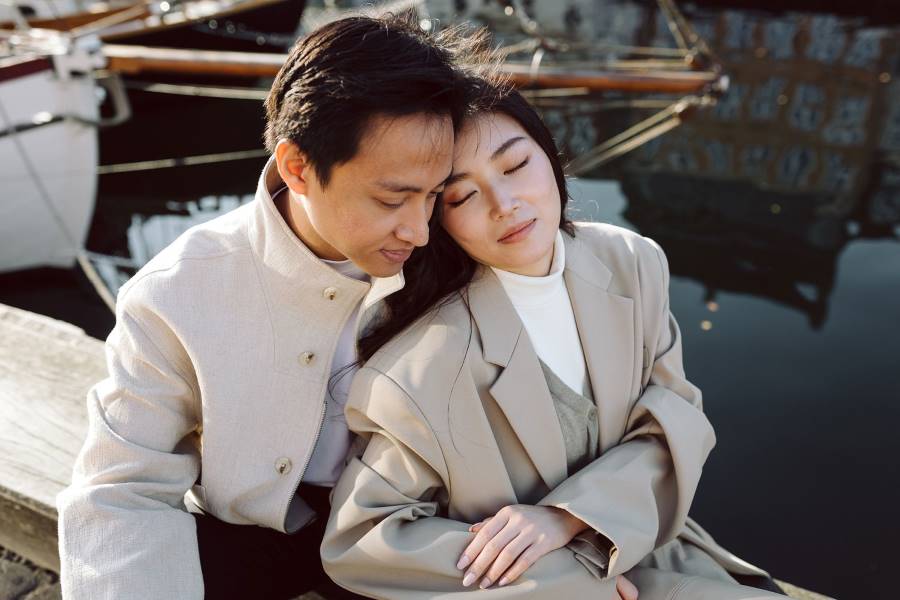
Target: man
233 348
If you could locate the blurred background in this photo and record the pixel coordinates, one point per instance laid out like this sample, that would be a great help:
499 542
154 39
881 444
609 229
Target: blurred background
757 142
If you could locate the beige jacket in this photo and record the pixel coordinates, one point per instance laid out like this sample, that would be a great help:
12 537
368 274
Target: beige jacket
218 364
460 423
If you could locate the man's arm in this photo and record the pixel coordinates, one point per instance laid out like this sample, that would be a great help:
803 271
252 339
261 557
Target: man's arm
123 529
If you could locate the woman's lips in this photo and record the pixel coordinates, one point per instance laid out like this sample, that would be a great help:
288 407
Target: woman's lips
396 256
518 233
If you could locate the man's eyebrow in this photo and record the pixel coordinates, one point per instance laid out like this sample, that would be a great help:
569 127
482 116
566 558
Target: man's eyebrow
399 188
503 148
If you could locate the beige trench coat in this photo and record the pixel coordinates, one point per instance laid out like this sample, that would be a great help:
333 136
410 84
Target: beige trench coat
459 423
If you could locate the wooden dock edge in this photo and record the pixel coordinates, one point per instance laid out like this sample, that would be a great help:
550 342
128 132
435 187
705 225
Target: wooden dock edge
28 532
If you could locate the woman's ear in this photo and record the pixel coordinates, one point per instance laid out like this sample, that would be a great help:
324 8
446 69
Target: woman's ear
293 166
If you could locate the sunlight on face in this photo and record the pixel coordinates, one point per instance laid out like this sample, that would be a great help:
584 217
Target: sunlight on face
502 204
375 208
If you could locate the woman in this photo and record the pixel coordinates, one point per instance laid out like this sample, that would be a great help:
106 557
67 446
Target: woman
529 428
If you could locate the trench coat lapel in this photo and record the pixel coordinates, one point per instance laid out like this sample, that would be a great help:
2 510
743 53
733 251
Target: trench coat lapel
520 390
605 324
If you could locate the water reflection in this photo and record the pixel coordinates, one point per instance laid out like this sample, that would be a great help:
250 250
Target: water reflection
760 194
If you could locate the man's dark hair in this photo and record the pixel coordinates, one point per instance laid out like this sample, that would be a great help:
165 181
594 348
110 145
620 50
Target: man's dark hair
346 72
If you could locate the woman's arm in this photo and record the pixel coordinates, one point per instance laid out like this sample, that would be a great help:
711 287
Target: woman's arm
636 496
385 538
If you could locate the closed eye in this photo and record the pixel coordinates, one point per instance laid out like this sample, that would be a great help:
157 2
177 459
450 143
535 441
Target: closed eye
459 202
517 167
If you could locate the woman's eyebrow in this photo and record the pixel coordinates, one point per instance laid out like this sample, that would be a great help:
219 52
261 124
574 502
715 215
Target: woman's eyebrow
503 148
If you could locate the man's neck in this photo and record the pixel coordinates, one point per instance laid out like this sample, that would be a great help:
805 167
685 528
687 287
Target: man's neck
298 223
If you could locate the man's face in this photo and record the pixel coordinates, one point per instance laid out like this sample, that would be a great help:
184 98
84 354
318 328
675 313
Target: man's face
375 208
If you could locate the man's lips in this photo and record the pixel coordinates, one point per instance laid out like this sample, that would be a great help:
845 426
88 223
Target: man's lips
517 232
396 256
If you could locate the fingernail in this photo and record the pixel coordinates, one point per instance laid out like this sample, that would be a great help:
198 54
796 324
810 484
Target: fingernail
468 579
463 562
503 581
485 583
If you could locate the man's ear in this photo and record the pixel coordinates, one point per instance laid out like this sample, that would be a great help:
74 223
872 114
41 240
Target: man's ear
293 166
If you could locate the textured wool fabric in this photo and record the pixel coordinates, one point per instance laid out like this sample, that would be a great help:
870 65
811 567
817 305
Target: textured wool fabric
219 362
327 460
577 415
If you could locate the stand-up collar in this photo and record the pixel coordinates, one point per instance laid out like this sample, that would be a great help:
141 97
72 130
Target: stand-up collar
288 260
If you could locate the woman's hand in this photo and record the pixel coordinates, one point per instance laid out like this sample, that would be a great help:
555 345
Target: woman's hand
512 540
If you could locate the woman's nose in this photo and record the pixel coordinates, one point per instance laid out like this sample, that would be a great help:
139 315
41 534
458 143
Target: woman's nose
503 204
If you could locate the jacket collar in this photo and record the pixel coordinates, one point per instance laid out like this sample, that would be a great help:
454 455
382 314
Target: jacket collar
605 325
495 315
287 260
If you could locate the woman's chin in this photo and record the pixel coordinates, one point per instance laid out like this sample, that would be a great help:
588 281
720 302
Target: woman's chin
534 262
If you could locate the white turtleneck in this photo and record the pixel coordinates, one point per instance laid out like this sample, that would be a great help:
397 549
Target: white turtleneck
545 309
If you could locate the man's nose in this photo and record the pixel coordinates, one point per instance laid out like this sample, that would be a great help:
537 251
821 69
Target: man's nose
414 227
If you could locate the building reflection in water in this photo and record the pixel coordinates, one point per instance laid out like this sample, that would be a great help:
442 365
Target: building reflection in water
760 194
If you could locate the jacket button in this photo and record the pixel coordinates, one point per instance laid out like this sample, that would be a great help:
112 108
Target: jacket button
307 357
330 293
283 466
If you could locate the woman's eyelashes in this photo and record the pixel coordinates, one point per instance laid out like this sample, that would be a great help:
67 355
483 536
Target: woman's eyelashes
517 167
520 165
456 203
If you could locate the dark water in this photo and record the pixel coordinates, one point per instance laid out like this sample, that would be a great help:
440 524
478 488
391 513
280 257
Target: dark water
779 210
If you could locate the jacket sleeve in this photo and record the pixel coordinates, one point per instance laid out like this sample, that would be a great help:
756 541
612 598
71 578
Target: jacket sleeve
387 538
635 497
123 529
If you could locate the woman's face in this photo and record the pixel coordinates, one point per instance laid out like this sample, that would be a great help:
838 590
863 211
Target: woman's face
501 203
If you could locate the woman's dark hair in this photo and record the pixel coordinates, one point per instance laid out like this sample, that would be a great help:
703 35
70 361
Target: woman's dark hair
438 271
342 74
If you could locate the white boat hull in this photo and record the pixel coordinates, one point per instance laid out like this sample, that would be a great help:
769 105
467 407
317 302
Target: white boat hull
48 172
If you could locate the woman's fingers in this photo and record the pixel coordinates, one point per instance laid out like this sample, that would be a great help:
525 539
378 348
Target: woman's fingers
626 589
505 559
522 564
488 530
476 527
489 552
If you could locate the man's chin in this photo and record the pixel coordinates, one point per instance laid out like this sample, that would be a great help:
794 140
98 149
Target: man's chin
381 268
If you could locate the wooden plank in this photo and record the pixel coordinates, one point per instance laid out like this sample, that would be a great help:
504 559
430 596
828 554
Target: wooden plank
138 59
46 369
